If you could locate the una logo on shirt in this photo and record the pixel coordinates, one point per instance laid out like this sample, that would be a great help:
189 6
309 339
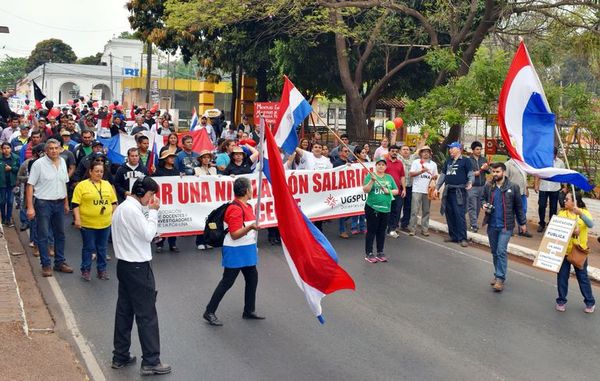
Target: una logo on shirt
100 202
452 169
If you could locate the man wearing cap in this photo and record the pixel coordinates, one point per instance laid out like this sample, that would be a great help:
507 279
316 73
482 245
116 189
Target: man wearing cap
186 159
240 163
475 194
457 175
395 168
129 172
47 182
21 139
424 172
10 129
67 142
84 148
96 155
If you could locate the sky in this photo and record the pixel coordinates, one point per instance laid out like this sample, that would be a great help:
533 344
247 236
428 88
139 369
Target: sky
85 25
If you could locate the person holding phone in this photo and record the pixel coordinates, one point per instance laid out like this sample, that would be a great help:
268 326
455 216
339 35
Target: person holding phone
133 233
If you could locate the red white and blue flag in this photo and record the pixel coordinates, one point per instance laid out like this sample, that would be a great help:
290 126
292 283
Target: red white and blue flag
293 109
194 121
527 125
311 258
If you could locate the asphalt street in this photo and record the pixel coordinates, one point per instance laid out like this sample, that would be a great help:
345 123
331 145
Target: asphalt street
427 314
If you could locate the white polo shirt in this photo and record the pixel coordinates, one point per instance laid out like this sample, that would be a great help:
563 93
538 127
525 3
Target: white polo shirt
49 181
133 232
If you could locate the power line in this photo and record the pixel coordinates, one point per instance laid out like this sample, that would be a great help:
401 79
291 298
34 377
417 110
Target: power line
55 27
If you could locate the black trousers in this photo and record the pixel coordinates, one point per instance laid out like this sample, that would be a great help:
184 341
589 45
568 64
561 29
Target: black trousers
377 223
229 275
137 298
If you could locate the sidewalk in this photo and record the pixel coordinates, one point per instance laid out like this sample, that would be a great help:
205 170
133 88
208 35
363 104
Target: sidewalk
519 246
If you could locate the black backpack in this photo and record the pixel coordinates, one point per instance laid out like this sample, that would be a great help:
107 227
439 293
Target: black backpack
214 229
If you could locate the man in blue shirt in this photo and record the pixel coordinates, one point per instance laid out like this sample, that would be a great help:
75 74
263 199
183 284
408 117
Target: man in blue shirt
501 203
457 174
186 159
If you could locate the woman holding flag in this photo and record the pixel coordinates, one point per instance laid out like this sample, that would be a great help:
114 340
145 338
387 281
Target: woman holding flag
381 189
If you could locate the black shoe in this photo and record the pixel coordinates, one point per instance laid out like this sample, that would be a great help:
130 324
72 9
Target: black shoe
212 319
526 234
174 249
119 365
252 316
159 249
541 228
160 368
449 240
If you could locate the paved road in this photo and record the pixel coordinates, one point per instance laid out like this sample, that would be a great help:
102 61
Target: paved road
428 314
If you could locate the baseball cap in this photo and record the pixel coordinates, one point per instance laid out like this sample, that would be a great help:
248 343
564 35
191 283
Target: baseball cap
97 143
454 145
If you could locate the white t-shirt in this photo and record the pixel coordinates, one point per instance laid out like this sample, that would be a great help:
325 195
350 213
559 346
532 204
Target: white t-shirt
310 161
380 152
421 183
551 186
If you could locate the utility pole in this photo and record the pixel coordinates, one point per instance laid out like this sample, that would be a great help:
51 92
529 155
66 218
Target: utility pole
112 88
148 71
43 75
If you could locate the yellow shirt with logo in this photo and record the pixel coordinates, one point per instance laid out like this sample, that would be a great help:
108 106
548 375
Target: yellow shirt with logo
91 199
582 239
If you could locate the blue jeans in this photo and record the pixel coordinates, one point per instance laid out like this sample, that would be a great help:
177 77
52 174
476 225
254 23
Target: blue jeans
94 241
395 213
499 238
524 203
359 223
455 215
33 233
562 282
342 222
50 218
6 203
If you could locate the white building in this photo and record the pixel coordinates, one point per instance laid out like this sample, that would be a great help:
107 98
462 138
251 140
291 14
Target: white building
61 82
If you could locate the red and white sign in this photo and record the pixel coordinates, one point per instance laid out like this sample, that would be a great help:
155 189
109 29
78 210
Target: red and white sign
269 111
322 195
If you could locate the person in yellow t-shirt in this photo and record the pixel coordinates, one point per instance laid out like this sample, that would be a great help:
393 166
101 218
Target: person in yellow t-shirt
575 210
94 201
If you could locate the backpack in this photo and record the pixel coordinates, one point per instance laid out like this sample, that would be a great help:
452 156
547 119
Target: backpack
214 229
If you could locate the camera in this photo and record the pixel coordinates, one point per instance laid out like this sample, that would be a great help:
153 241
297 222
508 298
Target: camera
489 208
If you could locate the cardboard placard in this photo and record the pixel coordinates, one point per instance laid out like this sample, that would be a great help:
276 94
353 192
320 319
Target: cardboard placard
553 247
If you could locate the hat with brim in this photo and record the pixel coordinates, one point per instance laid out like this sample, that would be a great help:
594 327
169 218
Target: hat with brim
424 148
166 154
205 152
97 143
238 150
65 133
24 127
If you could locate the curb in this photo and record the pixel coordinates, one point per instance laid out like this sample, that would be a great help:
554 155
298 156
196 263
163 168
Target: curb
517 250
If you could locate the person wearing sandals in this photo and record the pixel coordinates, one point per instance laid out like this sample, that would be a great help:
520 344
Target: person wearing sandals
205 169
381 189
575 210
94 201
166 167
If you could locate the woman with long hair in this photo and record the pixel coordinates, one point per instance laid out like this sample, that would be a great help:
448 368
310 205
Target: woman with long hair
575 210
172 144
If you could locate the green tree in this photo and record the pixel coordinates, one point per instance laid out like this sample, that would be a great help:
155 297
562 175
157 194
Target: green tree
12 69
127 35
91 60
51 50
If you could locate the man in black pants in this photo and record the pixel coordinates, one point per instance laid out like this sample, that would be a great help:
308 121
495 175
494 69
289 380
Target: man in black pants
133 233
239 253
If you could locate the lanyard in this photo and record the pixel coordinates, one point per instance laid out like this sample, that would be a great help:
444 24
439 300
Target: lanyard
98 190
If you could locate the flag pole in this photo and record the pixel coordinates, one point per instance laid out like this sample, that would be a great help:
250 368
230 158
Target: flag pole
346 145
261 147
562 148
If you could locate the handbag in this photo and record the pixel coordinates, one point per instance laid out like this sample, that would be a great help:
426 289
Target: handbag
577 256
431 194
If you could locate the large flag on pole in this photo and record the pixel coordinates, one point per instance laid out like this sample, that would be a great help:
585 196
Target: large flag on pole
293 109
310 256
194 120
527 125
38 95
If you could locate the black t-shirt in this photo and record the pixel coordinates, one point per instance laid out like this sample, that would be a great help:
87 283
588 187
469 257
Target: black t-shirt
243 169
457 171
339 162
162 171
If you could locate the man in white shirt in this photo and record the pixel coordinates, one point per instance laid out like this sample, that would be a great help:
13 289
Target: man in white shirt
313 160
424 173
548 190
47 182
7 133
209 129
133 233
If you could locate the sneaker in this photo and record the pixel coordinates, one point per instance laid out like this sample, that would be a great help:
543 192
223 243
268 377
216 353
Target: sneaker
344 235
464 243
209 247
541 227
589 309
31 244
393 234
201 247
370 258
11 224
381 257
118 365
498 286
411 233
102 275
355 232
561 307
85 275
425 233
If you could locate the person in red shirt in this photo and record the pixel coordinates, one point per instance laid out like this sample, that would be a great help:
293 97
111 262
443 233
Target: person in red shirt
395 168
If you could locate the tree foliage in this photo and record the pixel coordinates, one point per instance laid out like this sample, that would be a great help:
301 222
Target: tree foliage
51 50
91 60
12 69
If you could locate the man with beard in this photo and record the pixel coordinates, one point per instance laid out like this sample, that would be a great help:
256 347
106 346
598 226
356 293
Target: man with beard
502 203
395 168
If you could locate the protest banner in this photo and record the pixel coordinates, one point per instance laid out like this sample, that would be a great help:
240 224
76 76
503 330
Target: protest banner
553 247
186 201
268 110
